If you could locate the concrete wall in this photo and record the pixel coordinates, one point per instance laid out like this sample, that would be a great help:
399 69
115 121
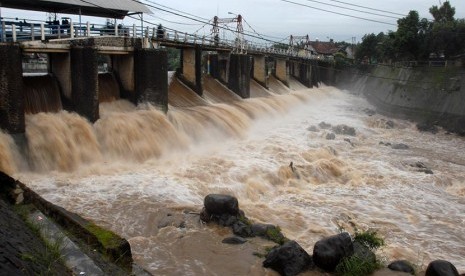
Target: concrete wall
60 67
11 89
282 71
192 68
123 67
84 81
428 95
260 70
151 77
239 74
305 73
326 72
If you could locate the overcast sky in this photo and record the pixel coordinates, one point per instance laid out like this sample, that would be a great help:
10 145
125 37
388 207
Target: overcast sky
280 19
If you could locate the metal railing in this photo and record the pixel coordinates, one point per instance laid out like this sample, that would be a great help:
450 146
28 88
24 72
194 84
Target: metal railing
15 30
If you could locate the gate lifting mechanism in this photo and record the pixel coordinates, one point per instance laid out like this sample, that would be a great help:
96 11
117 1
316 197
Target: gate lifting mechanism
299 43
239 41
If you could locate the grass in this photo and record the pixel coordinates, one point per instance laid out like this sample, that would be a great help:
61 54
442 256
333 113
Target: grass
51 254
274 234
370 239
245 220
355 266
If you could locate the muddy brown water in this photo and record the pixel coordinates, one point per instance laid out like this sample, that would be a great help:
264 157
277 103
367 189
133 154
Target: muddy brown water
135 165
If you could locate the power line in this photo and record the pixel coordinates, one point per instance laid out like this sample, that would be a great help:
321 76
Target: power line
166 7
204 21
368 8
174 22
351 9
338 13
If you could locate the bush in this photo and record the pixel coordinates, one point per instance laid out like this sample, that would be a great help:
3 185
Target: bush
355 266
369 238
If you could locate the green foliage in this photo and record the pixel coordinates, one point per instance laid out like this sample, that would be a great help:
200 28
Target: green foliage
280 46
416 38
443 14
406 39
174 59
274 234
366 51
245 220
355 266
370 239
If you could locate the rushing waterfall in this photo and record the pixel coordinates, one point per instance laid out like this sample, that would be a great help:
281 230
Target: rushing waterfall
42 94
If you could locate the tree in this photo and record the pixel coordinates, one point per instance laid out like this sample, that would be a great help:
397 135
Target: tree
443 14
366 51
446 33
407 38
385 48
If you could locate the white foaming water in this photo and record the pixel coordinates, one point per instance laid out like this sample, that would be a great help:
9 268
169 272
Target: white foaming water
244 149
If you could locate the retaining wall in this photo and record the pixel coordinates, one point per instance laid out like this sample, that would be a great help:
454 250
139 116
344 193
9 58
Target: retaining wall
431 95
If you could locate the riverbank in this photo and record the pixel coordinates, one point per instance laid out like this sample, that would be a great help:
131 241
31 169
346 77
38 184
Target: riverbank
431 96
23 251
53 241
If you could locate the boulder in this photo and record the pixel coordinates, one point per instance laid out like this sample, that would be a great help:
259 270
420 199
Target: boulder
205 216
427 127
216 204
242 230
369 112
344 130
288 259
328 252
402 266
441 268
330 136
260 229
422 167
234 240
400 146
227 220
313 129
348 141
389 124
324 125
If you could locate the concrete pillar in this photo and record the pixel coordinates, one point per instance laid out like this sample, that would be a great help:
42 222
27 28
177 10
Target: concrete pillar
326 72
305 73
239 74
294 68
214 68
11 89
191 62
260 70
60 67
123 67
84 81
315 73
282 71
151 77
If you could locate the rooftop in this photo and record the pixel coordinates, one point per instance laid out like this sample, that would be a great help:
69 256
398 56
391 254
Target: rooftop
101 8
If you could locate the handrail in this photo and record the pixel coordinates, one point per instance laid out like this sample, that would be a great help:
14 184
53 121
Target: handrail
19 30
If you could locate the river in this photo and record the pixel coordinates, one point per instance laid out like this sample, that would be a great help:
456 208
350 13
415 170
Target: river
135 167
